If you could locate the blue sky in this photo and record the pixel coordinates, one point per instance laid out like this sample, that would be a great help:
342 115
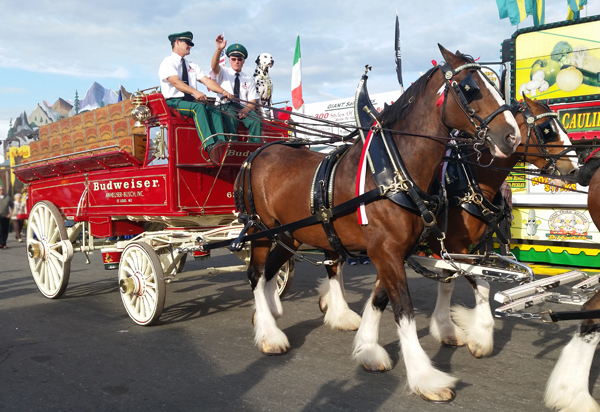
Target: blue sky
50 49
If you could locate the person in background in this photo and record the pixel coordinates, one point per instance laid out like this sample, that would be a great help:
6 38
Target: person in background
6 207
17 223
240 85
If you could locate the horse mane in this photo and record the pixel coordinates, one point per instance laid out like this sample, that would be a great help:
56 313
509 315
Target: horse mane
401 107
543 106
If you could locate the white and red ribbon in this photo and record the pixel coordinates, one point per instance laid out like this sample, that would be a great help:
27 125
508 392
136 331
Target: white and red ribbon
361 178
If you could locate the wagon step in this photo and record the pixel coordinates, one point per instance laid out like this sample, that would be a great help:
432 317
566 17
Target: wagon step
538 286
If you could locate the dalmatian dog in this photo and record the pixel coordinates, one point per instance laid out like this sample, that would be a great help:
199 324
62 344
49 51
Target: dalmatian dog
264 85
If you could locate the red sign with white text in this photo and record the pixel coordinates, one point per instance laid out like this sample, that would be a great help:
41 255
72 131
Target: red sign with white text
145 190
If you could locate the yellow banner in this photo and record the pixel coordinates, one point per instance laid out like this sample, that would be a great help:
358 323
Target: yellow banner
13 152
561 62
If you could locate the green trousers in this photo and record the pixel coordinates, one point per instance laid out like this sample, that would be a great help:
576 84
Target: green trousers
231 121
207 118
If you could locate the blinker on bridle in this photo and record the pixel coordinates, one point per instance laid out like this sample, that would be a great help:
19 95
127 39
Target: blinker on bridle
464 93
545 132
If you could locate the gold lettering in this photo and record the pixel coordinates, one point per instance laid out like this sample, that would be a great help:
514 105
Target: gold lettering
580 122
587 121
565 120
573 124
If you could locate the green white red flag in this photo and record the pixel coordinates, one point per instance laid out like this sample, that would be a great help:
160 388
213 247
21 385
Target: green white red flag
297 100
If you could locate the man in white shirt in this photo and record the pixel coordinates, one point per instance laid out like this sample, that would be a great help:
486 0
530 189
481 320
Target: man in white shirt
178 80
240 85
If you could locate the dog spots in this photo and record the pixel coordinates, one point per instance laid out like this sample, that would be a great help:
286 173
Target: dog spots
264 85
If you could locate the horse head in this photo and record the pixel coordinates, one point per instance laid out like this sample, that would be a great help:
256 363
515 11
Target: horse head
473 104
546 137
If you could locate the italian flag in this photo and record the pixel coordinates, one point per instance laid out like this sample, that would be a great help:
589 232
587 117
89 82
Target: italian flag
297 101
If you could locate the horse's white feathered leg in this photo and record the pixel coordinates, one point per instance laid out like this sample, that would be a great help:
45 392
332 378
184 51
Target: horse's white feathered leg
267 336
567 389
367 350
441 326
423 378
477 323
337 315
272 296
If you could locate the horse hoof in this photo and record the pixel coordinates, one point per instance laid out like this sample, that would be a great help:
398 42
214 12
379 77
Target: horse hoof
477 351
379 369
477 354
441 396
453 343
322 306
347 328
273 350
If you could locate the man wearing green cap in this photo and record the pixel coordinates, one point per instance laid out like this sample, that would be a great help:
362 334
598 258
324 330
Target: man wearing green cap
178 79
240 85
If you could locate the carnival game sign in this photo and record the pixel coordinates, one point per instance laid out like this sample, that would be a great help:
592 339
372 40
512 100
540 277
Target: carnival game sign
568 225
518 181
555 225
560 62
147 190
341 111
580 120
541 184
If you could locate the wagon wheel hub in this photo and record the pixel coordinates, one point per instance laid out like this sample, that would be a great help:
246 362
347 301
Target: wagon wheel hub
37 249
134 284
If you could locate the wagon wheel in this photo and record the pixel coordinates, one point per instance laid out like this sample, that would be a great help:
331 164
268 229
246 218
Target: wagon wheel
142 283
49 250
284 277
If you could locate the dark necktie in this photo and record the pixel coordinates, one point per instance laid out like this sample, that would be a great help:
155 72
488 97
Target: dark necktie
184 77
236 86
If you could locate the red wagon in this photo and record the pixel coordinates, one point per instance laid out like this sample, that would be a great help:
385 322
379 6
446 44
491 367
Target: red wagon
145 193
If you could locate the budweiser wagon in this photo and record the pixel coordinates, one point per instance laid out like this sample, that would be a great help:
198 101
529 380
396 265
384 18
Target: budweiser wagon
133 180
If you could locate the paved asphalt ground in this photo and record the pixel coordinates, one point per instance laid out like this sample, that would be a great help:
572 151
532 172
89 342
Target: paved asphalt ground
82 353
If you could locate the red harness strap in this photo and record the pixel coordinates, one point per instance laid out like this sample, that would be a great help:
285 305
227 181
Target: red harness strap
591 155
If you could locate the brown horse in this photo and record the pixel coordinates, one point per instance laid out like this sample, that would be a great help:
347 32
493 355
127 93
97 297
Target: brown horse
281 187
475 326
568 386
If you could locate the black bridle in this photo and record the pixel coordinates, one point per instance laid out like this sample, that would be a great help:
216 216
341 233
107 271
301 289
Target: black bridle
545 132
464 93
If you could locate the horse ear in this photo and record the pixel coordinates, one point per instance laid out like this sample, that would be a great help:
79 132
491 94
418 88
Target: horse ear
448 56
